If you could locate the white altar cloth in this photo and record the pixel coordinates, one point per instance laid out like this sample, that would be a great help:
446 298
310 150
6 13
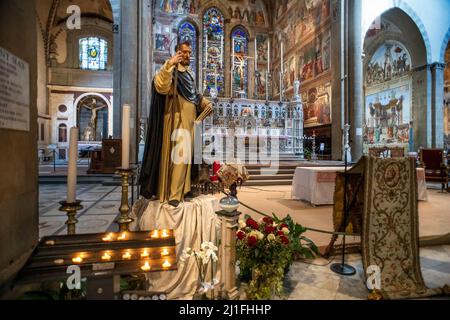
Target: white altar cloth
193 223
316 184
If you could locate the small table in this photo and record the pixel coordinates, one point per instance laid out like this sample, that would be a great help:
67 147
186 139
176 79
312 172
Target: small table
316 184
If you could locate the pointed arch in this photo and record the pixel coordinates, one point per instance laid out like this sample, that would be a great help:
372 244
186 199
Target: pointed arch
240 39
213 51
403 6
445 44
187 30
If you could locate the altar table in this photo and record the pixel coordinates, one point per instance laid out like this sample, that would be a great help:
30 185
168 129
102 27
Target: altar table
316 184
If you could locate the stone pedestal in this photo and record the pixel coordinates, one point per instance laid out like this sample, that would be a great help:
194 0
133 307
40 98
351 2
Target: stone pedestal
227 253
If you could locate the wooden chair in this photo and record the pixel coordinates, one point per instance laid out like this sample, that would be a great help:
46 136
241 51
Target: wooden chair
432 160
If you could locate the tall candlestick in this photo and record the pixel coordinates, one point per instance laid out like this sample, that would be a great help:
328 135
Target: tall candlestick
126 136
256 54
72 168
282 58
268 56
232 67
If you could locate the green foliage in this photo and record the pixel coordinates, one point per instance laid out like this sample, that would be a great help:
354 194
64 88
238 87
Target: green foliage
266 250
307 152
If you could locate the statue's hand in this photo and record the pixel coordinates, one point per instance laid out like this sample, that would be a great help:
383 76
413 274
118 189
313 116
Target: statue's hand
176 59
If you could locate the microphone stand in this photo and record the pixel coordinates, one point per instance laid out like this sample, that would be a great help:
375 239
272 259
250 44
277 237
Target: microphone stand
343 268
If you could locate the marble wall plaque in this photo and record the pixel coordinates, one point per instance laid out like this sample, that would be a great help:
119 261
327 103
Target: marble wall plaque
14 92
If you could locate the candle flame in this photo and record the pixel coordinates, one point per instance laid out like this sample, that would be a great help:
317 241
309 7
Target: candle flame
122 236
146 266
165 233
126 255
78 259
166 264
155 234
165 252
106 256
109 237
144 254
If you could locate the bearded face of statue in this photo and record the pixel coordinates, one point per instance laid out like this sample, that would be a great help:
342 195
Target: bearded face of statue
186 51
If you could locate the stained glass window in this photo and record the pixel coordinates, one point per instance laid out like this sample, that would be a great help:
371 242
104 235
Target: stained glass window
239 54
93 53
213 37
187 32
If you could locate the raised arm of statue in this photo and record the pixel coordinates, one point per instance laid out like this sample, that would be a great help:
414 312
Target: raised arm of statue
163 79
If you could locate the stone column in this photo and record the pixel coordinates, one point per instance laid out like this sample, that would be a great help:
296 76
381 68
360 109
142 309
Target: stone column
131 66
437 105
355 78
228 253
337 94
421 107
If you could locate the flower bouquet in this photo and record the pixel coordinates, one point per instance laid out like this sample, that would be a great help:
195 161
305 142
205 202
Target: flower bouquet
265 251
206 254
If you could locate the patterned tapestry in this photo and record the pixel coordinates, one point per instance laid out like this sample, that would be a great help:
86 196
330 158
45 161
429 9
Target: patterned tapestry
390 236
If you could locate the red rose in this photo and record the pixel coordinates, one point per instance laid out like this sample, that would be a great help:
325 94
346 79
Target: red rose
280 233
252 240
252 223
240 234
268 220
283 225
284 239
269 229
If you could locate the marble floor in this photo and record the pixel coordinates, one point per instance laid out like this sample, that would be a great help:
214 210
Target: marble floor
316 281
313 280
100 209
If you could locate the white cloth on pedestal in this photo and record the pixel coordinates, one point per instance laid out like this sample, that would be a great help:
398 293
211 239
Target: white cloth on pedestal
193 223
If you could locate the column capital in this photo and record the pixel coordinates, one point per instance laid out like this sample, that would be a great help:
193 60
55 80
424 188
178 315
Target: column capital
437 65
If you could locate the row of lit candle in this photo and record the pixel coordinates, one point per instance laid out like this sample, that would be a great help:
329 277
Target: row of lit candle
126 256
123 236
146 267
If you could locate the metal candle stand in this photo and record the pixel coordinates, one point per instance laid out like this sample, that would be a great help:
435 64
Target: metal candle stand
343 268
71 210
124 220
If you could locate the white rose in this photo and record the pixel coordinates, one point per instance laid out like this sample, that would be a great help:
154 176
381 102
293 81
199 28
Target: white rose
285 230
274 225
242 224
271 237
259 235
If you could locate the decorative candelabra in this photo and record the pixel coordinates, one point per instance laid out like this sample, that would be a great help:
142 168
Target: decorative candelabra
268 86
281 86
124 220
71 210
314 154
297 115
